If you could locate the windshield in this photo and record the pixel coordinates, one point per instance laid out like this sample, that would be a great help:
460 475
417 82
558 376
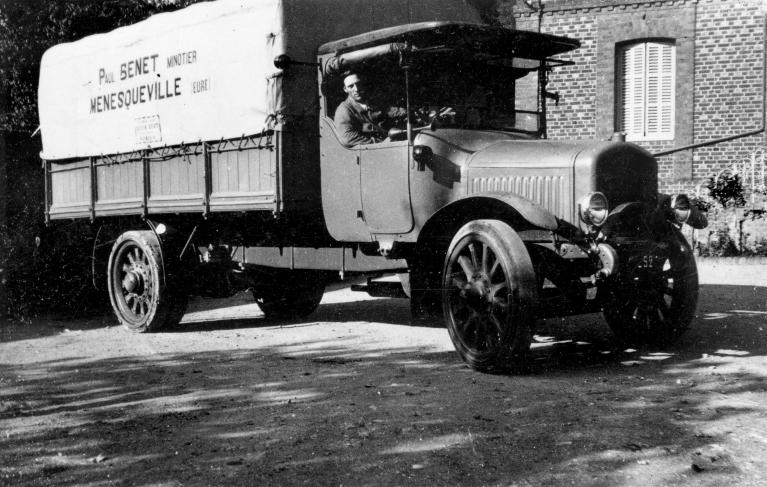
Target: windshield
485 94
459 89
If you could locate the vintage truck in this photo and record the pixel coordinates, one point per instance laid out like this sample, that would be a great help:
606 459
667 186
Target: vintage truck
201 146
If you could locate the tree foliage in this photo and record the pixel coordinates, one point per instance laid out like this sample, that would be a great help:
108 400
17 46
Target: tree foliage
29 27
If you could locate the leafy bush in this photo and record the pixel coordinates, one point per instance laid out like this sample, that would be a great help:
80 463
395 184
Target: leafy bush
720 244
727 190
759 247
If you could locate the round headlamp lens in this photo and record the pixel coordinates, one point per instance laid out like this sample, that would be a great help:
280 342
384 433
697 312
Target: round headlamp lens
594 209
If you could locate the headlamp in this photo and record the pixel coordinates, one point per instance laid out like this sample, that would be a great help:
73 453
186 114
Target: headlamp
593 209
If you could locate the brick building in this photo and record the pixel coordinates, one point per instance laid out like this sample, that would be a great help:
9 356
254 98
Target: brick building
669 73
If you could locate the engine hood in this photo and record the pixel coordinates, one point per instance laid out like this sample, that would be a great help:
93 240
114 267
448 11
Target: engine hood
496 149
529 153
622 171
554 174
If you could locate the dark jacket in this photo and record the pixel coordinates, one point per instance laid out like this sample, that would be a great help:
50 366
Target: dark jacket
357 125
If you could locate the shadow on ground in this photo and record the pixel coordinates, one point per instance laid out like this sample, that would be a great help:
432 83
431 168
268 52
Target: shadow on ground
328 411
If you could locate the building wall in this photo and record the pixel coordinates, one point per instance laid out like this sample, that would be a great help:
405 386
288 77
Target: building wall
728 80
719 73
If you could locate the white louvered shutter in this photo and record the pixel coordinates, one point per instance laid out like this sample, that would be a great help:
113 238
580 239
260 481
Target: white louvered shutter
667 91
633 93
646 91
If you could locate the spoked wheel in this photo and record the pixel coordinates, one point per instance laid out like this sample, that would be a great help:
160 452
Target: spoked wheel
655 301
290 294
142 296
488 296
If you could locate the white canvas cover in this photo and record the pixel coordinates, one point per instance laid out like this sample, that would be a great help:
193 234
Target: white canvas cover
199 73
202 73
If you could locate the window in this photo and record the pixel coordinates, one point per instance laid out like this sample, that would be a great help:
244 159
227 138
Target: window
645 92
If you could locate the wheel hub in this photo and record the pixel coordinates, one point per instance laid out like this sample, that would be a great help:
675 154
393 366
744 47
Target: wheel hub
133 282
477 293
646 287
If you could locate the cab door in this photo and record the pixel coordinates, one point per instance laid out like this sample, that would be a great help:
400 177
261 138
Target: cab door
385 187
341 190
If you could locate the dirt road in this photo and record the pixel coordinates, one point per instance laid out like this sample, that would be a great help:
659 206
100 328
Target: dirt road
355 395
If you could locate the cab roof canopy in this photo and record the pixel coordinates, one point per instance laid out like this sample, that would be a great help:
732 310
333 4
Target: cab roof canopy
488 39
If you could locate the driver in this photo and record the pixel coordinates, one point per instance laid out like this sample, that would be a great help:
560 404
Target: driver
357 121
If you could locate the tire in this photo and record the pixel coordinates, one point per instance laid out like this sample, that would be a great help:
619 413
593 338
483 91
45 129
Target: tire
143 296
291 294
654 302
489 295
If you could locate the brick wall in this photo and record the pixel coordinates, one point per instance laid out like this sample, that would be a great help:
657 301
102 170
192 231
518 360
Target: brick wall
728 80
575 116
719 73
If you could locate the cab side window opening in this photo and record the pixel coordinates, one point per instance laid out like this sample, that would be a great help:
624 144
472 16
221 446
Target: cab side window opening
386 87
645 89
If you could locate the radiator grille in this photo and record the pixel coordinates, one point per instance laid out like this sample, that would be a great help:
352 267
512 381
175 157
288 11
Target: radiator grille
548 191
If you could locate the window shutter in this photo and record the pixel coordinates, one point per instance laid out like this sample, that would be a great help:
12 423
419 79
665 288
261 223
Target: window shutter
632 90
652 123
646 91
667 91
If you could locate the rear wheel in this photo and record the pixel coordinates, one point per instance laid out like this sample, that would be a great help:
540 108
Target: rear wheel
144 298
654 301
488 296
291 294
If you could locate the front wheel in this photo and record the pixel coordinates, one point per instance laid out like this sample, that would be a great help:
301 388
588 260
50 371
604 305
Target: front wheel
144 298
489 295
654 301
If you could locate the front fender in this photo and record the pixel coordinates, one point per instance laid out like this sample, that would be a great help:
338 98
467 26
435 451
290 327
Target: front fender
521 213
530 211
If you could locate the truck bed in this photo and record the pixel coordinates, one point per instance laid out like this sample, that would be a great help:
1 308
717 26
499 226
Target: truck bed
227 176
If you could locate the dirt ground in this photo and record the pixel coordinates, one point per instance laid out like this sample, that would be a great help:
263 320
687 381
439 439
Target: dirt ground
356 395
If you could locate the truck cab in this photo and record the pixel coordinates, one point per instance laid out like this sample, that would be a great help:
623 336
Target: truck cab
465 89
